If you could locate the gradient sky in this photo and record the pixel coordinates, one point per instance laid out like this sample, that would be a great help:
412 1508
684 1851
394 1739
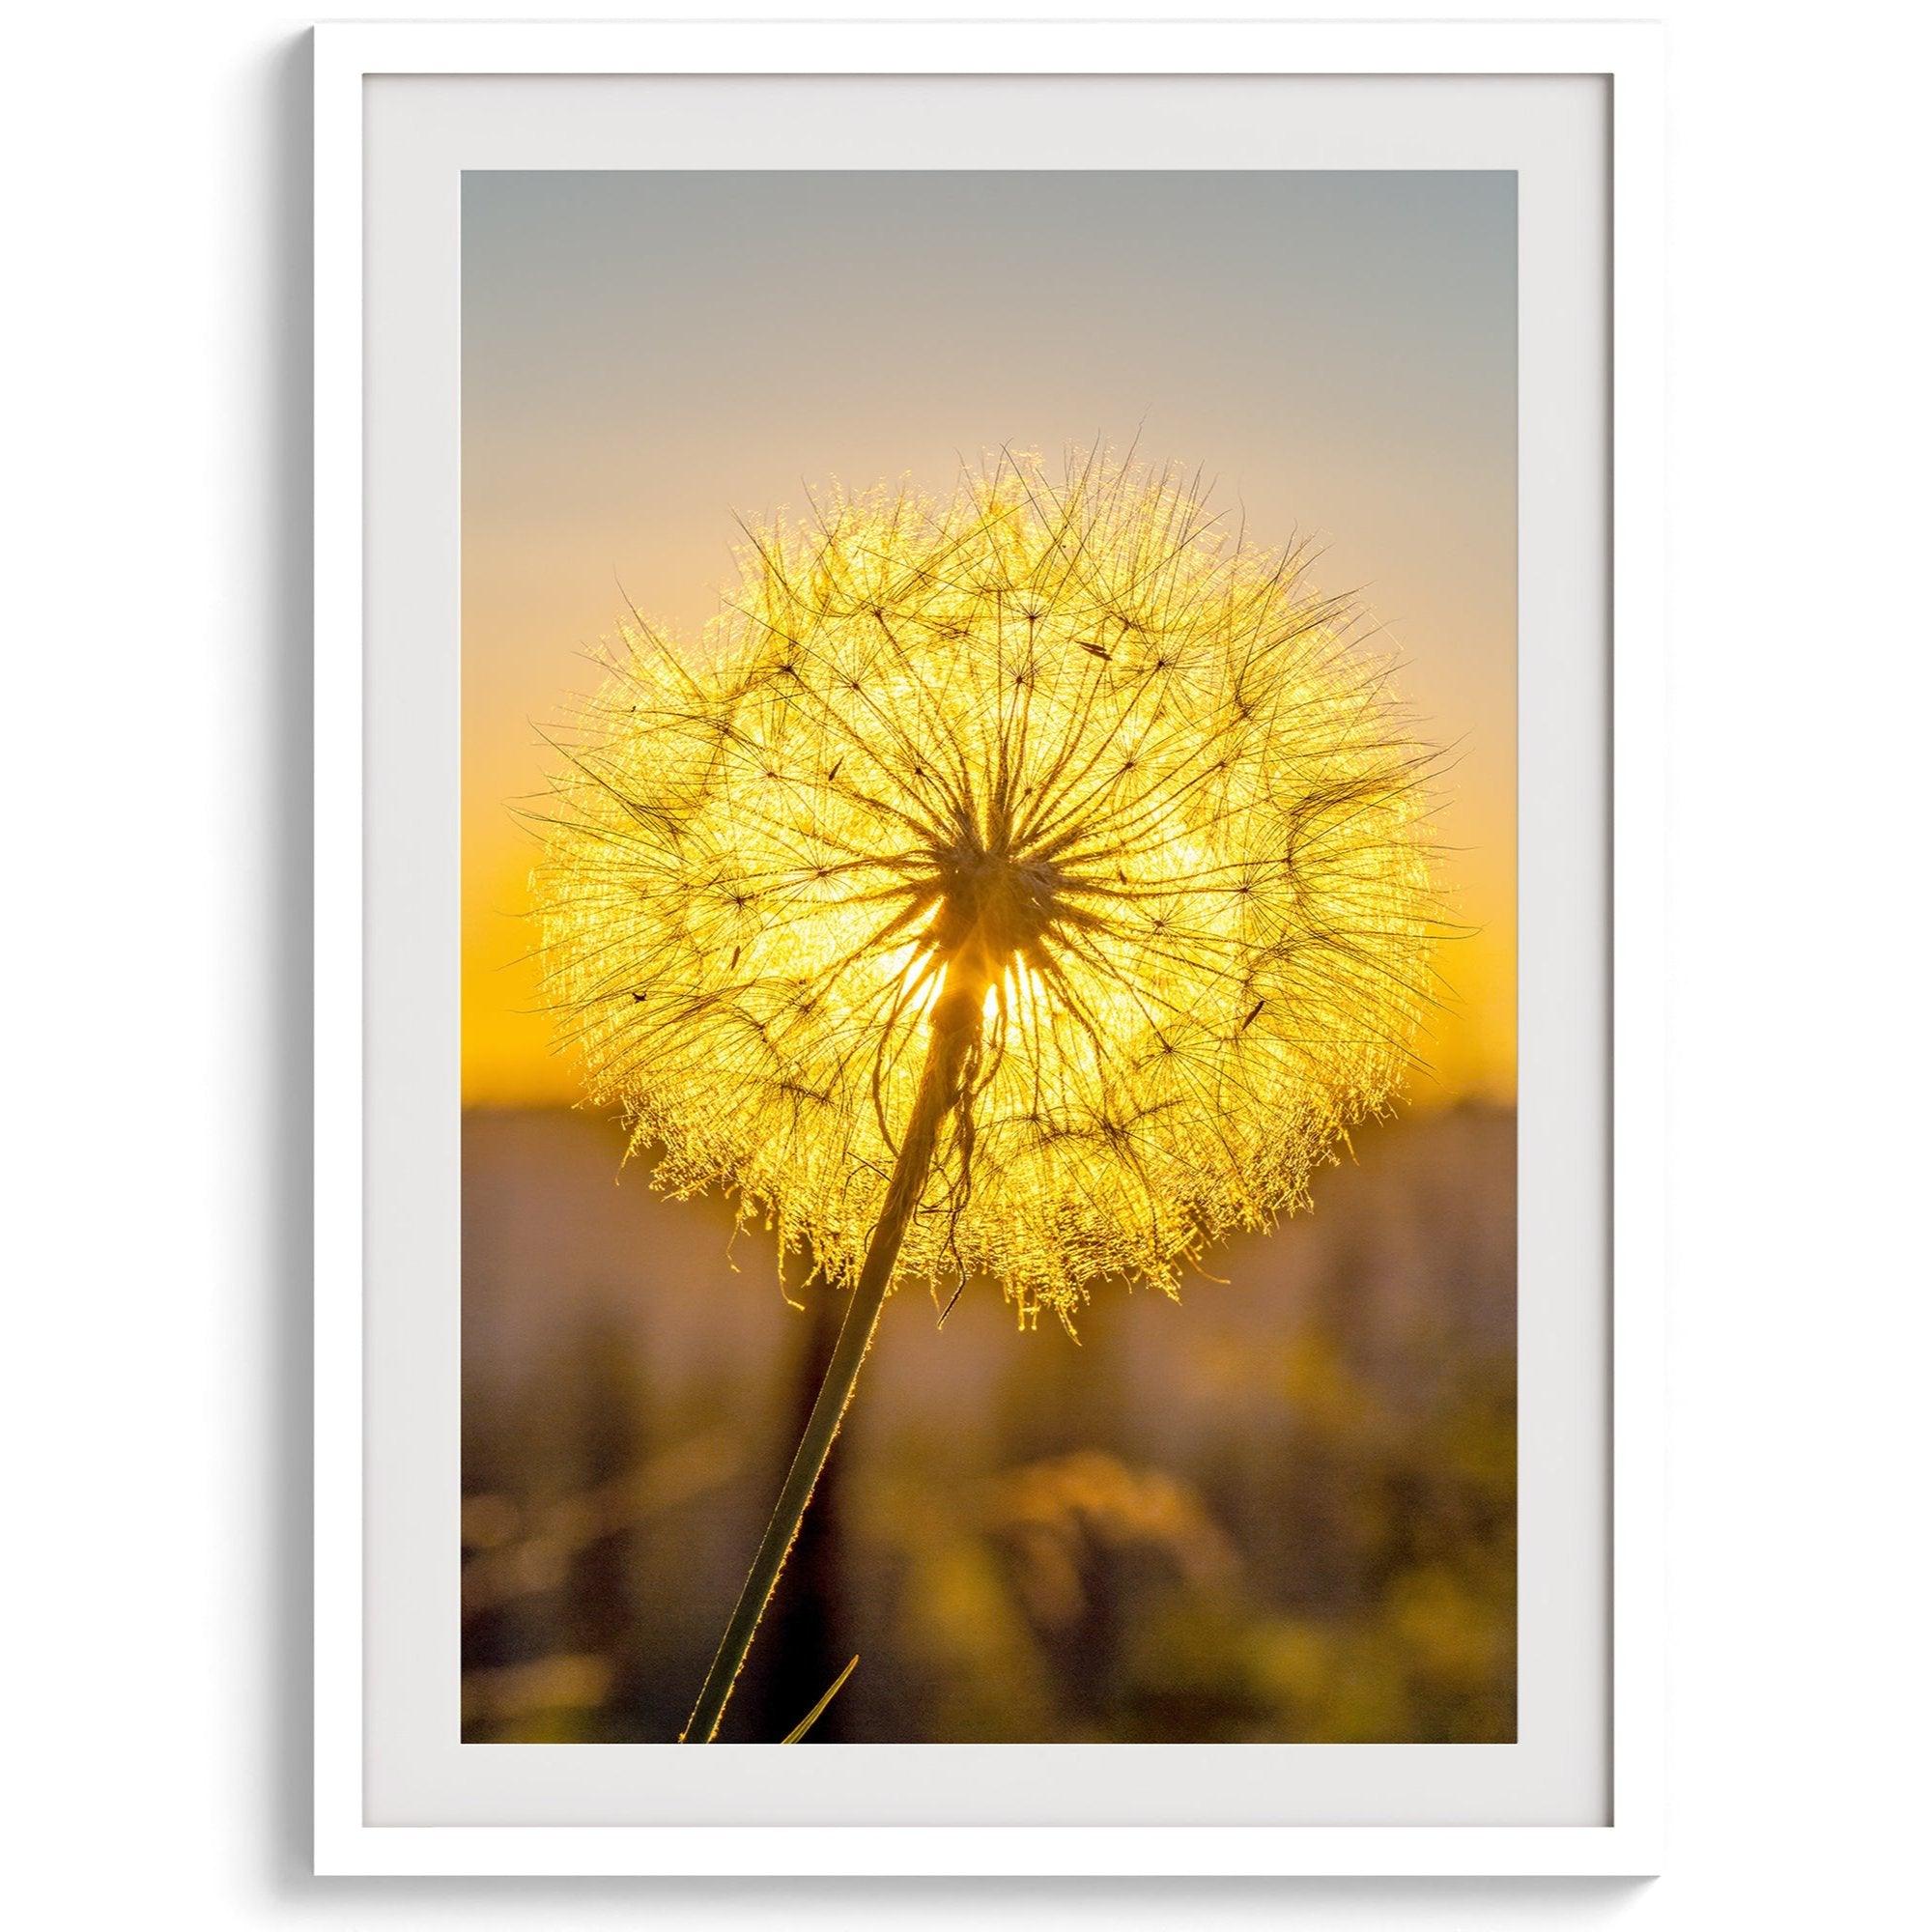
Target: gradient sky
644 354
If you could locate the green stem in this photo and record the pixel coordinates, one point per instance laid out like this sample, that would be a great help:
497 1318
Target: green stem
956 1021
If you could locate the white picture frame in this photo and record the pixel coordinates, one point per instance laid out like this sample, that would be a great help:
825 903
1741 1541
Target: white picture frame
1628 56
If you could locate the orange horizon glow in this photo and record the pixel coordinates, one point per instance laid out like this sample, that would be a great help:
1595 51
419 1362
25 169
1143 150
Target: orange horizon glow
1468 1045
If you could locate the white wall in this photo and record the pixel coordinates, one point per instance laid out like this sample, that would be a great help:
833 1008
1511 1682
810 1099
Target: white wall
156 361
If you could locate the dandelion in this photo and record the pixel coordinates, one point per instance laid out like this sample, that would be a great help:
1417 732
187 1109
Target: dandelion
1030 885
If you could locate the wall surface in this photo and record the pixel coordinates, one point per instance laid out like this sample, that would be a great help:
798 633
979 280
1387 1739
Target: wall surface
154 1639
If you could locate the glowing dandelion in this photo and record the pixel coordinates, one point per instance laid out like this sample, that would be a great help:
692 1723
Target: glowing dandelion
1032 884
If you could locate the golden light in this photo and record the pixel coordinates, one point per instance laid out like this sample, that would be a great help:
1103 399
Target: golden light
1069 745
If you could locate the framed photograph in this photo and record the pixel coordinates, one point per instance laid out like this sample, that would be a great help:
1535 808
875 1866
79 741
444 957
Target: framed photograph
987 818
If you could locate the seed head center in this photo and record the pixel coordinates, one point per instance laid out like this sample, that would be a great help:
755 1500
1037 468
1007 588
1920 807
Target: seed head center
995 907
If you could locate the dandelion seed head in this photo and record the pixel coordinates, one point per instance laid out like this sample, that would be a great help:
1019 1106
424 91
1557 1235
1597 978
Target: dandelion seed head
1064 744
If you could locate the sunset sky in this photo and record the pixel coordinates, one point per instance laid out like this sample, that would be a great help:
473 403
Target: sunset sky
646 355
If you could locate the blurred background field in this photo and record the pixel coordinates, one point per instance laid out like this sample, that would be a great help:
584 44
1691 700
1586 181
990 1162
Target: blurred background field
1281 1511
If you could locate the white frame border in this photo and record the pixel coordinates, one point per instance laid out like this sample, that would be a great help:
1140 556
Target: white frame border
1629 55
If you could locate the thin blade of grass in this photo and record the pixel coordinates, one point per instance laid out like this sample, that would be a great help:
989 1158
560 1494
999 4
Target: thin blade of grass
817 1711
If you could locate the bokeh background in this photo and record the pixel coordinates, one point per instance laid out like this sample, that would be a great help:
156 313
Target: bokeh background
1283 1510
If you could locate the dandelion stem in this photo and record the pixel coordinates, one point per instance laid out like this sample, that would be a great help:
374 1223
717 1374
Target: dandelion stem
955 1023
